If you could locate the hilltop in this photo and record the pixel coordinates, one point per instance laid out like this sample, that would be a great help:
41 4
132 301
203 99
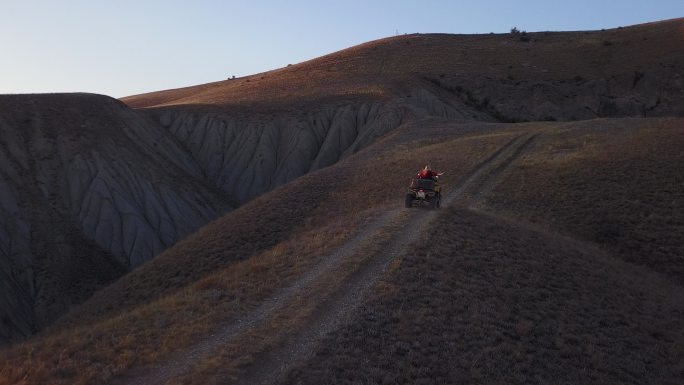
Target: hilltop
588 73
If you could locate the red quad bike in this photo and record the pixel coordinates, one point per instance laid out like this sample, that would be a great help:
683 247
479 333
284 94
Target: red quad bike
423 192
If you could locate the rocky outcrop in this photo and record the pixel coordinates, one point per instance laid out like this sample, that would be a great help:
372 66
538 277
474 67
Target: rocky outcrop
247 156
88 189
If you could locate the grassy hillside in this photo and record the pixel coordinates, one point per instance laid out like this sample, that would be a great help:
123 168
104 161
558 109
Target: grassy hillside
491 300
279 234
614 183
391 67
488 301
517 278
559 256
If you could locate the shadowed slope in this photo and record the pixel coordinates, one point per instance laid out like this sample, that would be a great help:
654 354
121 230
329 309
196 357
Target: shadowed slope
89 190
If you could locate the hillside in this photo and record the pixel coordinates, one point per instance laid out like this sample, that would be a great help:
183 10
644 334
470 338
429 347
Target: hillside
245 306
253 230
89 190
264 130
589 68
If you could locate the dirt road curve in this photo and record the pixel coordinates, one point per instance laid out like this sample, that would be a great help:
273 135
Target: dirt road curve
335 310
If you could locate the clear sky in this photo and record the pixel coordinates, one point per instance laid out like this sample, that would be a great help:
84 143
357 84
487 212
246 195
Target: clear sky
125 47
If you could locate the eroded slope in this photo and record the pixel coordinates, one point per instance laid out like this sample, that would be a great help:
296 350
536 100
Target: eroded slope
90 189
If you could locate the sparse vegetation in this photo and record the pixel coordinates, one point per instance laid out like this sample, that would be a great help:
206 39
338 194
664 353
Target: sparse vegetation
414 337
521 35
614 186
487 301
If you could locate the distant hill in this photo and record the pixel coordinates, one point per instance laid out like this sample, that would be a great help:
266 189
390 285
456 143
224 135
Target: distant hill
577 75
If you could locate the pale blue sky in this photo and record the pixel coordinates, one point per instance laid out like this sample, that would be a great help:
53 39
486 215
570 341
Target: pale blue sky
125 47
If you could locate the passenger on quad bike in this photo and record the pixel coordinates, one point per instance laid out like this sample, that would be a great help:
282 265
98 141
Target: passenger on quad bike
427 173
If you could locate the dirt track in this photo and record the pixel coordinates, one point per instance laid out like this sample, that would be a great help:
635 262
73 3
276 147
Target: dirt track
336 309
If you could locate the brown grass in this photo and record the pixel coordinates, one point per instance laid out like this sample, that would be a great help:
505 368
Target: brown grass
393 66
233 359
94 353
615 183
486 301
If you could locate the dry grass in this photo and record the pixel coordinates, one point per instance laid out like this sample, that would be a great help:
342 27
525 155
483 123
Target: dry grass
615 183
233 360
92 354
486 301
374 178
461 155
393 66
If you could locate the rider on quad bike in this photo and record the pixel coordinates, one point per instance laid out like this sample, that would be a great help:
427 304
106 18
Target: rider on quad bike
424 189
427 173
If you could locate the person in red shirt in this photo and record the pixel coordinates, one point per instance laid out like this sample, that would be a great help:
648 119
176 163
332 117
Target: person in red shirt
427 173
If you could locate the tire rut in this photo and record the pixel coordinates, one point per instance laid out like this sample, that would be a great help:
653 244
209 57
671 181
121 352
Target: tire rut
180 363
493 177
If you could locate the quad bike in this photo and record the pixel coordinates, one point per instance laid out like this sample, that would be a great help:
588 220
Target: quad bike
423 192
